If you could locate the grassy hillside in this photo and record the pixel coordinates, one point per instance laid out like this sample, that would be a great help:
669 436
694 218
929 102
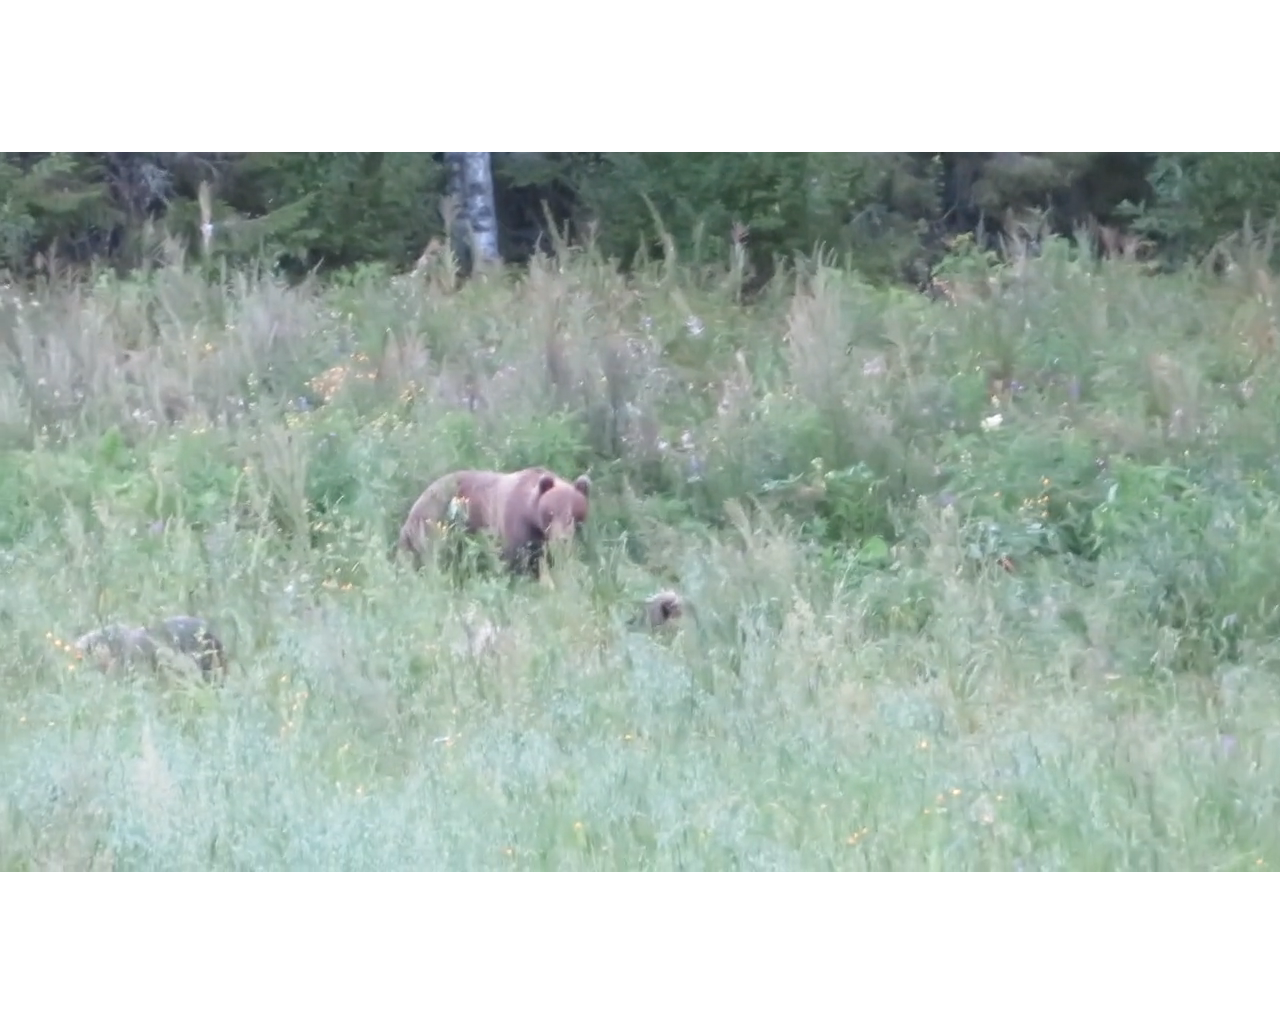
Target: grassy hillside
982 583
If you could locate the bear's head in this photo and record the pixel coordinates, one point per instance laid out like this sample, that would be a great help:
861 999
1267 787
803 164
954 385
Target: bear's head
561 506
663 607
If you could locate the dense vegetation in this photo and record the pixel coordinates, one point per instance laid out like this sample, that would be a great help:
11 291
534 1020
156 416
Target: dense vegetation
889 215
988 580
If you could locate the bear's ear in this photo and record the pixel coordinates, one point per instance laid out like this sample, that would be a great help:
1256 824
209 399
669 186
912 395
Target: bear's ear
583 484
545 483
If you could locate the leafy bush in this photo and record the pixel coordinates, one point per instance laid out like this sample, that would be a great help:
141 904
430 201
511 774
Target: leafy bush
829 476
1200 198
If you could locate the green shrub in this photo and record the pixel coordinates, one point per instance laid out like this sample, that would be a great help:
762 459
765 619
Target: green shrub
861 679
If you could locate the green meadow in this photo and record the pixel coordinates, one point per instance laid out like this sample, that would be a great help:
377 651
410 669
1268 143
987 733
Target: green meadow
981 582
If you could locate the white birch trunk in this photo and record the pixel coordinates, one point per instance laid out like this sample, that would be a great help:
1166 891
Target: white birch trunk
475 227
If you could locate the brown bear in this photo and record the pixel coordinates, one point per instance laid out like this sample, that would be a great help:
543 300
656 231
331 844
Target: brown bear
661 610
525 510
122 647
663 607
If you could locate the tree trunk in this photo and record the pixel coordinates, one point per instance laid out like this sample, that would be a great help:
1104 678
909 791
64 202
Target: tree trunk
475 222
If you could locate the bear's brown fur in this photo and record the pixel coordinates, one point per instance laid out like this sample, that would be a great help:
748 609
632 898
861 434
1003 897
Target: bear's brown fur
121 647
663 607
525 510
661 611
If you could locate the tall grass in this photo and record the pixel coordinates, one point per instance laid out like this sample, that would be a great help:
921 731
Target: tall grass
983 583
